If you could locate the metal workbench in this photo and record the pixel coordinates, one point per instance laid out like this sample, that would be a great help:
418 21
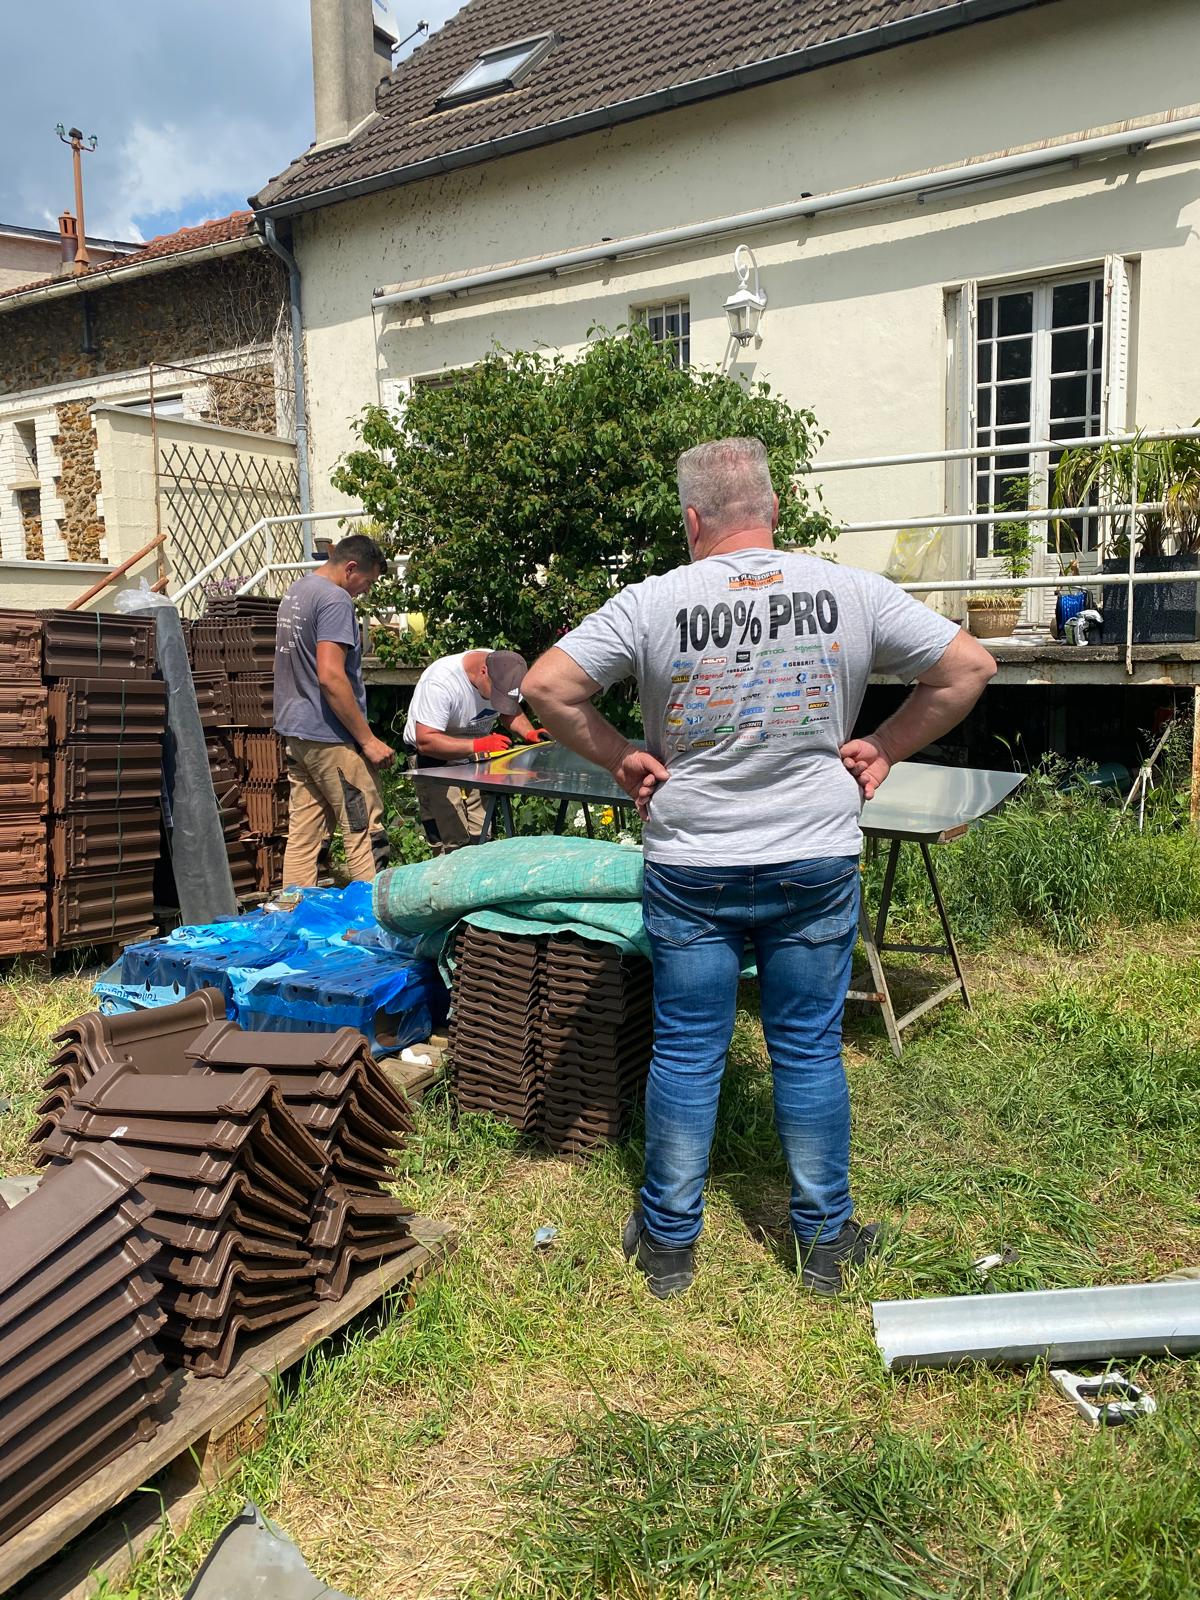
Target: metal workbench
920 805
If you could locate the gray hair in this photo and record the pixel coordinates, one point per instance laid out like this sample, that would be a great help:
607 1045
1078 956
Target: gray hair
728 482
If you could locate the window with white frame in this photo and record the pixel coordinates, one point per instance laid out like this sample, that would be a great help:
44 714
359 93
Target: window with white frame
669 323
1040 374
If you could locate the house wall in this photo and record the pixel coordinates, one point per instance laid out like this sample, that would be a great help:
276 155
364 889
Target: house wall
856 327
29 260
225 318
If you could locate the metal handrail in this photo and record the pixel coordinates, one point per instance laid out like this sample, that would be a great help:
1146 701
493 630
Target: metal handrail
264 524
974 452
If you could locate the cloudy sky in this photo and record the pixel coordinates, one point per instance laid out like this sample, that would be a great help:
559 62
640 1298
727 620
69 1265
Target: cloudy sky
195 103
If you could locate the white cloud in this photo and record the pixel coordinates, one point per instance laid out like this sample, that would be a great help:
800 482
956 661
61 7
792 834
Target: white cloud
173 168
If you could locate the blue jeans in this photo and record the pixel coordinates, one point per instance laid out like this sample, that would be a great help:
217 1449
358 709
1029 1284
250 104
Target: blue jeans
802 918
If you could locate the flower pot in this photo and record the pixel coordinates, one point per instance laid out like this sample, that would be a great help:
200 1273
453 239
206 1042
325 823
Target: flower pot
992 622
1163 613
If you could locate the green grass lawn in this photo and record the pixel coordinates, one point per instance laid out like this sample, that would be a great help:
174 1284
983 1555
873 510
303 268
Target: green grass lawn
536 1425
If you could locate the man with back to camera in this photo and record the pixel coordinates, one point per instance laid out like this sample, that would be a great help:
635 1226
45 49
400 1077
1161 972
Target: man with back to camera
452 718
321 712
751 665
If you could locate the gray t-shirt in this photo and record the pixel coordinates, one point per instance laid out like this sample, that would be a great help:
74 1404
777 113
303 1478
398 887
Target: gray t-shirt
751 669
314 611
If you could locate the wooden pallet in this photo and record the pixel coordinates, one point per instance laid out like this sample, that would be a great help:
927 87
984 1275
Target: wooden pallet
213 1423
413 1078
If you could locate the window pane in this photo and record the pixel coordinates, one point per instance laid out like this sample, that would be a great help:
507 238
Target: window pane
985 363
1016 358
985 408
655 323
1016 313
1069 351
985 319
1068 397
1012 403
982 535
1071 303
1098 300
1013 435
983 491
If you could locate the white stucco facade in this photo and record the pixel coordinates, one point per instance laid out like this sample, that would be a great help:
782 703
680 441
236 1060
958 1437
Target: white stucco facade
860 325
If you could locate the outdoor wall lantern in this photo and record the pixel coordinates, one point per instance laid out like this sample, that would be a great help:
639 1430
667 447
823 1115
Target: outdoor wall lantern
745 305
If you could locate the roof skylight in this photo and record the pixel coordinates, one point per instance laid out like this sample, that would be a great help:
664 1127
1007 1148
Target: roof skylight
499 69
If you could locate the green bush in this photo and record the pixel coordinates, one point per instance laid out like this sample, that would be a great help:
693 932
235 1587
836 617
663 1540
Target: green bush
524 490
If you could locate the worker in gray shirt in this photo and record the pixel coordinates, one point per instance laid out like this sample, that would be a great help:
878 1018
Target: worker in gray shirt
321 713
751 664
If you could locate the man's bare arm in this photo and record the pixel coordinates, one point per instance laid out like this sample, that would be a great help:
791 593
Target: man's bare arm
561 693
940 701
336 688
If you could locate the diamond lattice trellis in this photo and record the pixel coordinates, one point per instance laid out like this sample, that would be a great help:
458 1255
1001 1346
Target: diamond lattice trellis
209 499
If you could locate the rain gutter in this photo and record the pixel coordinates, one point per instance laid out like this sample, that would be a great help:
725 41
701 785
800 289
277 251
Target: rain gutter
101 277
1128 140
285 255
870 40
1137 1319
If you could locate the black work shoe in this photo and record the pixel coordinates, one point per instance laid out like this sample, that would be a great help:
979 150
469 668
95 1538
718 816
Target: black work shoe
820 1263
668 1271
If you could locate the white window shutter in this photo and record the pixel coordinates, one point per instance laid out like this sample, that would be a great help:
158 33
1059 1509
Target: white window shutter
961 431
1114 410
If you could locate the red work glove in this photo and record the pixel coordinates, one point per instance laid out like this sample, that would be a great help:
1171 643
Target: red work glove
491 743
541 736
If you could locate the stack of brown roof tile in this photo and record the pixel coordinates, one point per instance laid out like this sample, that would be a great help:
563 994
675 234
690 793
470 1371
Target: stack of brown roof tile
263 1157
232 1180
552 1035
81 1374
107 716
24 785
151 1041
331 1084
232 651
495 1025
597 1037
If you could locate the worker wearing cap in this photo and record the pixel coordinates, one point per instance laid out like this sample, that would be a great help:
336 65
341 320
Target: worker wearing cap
455 707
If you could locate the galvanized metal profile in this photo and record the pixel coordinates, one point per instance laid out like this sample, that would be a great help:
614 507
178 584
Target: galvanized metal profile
1140 1319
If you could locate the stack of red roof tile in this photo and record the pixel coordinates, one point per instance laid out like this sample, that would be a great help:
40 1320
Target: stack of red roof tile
232 652
107 716
81 1374
24 785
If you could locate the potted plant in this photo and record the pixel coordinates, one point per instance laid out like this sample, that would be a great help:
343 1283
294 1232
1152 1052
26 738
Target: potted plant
994 614
1165 472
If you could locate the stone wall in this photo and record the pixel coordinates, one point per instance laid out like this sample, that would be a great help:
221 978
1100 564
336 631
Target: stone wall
79 481
181 315
243 399
29 503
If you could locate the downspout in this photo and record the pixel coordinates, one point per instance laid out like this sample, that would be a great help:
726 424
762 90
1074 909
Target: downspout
297 327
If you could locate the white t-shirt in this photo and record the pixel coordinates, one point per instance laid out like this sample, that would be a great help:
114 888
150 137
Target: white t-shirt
751 670
445 699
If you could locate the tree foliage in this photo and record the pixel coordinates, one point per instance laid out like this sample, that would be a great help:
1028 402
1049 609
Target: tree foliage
530 486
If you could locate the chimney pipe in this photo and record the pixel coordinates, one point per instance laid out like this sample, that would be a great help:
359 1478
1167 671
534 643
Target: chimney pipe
68 234
351 52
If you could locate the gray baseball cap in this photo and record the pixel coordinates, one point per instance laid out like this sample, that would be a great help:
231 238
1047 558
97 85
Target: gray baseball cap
506 671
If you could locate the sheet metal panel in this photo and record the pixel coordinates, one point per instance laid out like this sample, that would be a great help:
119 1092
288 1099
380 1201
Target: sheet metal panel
22 850
919 801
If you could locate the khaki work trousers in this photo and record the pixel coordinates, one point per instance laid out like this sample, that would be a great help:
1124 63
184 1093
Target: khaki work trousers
451 817
332 787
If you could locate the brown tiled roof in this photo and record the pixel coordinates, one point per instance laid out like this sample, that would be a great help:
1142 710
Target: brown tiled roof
607 56
222 230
